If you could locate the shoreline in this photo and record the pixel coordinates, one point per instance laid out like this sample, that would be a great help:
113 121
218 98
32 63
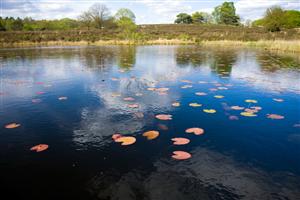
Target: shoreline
291 46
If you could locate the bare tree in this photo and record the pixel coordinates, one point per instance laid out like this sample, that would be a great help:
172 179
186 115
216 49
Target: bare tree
100 14
96 16
86 19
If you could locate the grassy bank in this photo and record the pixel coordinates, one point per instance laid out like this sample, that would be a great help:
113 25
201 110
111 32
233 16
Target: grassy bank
277 45
206 35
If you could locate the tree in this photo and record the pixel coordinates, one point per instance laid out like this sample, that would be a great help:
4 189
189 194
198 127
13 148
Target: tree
202 17
183 18
197 17
2 24
128 28
95 16
99 13
274 18
225 14
86 19
124 12
291 18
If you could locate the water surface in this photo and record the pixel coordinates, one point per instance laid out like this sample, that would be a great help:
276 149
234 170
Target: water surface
237 157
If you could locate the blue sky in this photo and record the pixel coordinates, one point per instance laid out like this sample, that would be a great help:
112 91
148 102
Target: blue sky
146 11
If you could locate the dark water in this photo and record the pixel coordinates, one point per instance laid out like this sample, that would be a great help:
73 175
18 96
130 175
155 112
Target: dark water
244 158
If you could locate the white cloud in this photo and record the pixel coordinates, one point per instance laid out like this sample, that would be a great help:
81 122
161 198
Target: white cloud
165 11
147 11
253 9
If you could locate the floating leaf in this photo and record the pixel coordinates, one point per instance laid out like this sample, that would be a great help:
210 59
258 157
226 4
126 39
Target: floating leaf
186 81
162 127
116 136
248 114
151 89
275 116
39 147
12 125
133 105
196 131
40 92
250 101
251 110
126 140
62 98
36 100
237 108
256 107
151 134
180 141
233 117
195 104
164 117
181 155
186 86
161 89
200 93
219 96
176 104
115 94
162 93
209 110
278 100
128 99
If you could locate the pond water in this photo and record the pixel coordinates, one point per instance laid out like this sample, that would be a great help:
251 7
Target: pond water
75 98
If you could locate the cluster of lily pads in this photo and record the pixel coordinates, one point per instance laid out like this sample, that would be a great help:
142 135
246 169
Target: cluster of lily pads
250 111
153 134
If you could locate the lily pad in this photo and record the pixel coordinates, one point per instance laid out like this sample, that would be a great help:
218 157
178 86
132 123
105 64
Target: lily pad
180 141
237 108
164 117
209 111
251 101
248 114
195 105
196 131
39 147
200 93
126 140
12 125
181 155
275 116
176 104
219 96
151 134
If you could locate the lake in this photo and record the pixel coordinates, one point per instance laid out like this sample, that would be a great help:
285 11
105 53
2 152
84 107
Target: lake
243 103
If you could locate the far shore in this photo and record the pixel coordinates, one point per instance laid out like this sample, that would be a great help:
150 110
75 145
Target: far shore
291 46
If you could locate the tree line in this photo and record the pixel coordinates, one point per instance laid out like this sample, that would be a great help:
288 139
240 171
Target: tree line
275 18
98 16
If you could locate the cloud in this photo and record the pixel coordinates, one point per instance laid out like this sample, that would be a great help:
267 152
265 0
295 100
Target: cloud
165 11
147 11
253 9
